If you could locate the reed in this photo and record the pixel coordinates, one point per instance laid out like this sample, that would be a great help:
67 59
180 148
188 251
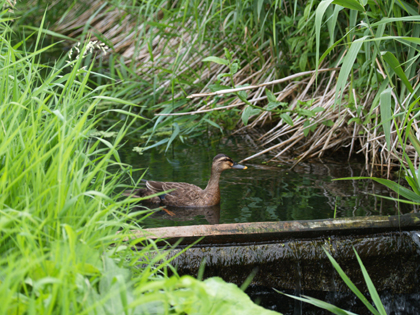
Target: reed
163 45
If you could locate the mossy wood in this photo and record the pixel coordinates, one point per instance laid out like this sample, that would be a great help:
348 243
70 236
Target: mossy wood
272 231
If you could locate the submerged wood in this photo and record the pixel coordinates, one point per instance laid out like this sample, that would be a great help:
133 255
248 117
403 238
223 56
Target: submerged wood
391 260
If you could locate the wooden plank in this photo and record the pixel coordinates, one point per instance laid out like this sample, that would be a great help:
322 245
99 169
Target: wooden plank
272 231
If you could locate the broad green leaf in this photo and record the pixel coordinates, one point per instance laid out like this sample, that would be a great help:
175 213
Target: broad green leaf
347 66
386 115
320 10
227 298
234 68
286 117
350 4
228 54
248 112
87 269
305 112
395 65
273 105
317 109
270 96
217 60
356 120
328 123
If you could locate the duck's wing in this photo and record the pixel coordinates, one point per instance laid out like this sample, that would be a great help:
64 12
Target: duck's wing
180 191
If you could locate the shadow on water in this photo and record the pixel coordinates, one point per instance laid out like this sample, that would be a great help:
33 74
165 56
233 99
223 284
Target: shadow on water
263 192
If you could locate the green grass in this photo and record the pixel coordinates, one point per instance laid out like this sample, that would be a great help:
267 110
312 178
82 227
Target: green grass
374 43
66 241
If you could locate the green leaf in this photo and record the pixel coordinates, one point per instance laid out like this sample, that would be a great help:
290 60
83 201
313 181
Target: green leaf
415 18
234 68
248 112
317 109
227 298
305 112
87 269
350 284
270 96
347 66
303 61
243 95
228 54
395 65
401 190
321 304
356 120
386 115
213 124
350 4
306 130
217 60
286 118
259 7
372 290
328 123
218 87
272 105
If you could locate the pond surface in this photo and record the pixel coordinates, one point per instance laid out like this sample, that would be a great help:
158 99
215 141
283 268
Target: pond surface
263 192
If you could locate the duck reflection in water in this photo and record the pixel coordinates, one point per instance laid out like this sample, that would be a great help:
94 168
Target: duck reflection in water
182 214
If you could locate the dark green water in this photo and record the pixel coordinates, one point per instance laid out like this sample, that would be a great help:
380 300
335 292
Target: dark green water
263 192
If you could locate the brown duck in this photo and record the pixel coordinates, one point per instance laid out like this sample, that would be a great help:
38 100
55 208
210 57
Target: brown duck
188 195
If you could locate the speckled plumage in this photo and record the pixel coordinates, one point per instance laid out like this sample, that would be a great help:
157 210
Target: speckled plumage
189 195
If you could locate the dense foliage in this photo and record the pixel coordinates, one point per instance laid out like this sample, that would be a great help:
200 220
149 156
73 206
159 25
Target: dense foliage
367 52
66 235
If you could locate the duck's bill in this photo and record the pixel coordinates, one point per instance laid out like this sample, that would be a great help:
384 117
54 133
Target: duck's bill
239 166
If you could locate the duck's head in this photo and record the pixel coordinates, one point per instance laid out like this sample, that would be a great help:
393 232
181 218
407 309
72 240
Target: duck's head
222 162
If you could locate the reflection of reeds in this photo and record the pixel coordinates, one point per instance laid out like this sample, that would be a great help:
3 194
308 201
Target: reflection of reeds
177 46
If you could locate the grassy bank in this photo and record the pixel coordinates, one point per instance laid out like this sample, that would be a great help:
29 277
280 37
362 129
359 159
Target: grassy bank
368 52
65 232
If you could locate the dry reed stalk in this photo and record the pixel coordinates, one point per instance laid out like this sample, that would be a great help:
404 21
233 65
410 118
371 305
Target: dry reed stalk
128 39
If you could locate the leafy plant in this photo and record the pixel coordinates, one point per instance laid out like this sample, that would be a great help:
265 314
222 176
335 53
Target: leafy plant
66 240
379 310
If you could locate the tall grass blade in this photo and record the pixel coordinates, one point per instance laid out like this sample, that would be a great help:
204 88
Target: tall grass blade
350 284
386 115
371 287
348 63
321 304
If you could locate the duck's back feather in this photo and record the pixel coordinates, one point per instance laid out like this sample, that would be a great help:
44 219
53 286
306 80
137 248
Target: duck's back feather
182 194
